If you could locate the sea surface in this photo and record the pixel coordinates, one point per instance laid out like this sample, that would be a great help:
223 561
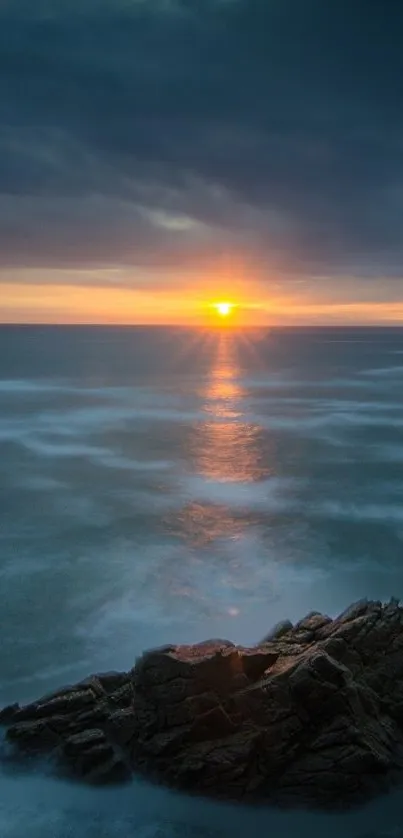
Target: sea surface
163 485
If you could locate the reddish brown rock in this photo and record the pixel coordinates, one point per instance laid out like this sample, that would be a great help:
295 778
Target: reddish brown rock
313 714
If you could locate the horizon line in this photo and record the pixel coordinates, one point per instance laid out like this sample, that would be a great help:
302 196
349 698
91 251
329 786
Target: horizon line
215 328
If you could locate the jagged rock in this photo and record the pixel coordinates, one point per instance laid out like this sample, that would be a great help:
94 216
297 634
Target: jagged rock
8 713
33 735
313 714
72 702
91 756
279 630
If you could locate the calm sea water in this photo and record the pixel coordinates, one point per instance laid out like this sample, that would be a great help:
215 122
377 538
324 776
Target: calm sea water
162 485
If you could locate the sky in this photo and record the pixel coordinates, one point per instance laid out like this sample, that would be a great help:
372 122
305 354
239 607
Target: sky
157 155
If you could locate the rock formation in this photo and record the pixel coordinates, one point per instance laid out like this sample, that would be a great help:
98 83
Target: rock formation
312 715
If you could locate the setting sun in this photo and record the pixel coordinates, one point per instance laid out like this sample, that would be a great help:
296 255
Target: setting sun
224 309
222 313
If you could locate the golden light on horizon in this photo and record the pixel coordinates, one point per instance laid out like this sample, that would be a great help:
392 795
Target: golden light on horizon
214 301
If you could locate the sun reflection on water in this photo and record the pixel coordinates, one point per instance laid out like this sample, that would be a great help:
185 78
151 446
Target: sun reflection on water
225 456
226 445
226 453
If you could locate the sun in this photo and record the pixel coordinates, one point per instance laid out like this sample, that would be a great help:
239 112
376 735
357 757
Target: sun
223 314
223 309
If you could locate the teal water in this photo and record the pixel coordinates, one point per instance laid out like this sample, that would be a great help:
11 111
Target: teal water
162 485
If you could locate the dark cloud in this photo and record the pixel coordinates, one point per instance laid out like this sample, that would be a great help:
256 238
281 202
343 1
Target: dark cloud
154 132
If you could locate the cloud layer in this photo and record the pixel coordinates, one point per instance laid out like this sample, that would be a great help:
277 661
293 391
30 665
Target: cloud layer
144 132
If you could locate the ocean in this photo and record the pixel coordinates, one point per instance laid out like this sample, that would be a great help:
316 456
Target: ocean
169 485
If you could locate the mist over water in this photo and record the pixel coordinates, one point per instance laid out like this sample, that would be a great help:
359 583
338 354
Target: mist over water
163 485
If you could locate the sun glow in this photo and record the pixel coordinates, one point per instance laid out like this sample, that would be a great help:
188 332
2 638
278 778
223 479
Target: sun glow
222 314
223 309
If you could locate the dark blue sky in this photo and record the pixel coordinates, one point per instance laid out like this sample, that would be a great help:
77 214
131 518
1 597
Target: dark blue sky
147 135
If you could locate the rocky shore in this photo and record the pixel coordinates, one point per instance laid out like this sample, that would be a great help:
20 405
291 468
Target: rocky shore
311 715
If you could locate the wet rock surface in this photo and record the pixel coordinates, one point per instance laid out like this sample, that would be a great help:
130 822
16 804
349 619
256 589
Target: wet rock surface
311 715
